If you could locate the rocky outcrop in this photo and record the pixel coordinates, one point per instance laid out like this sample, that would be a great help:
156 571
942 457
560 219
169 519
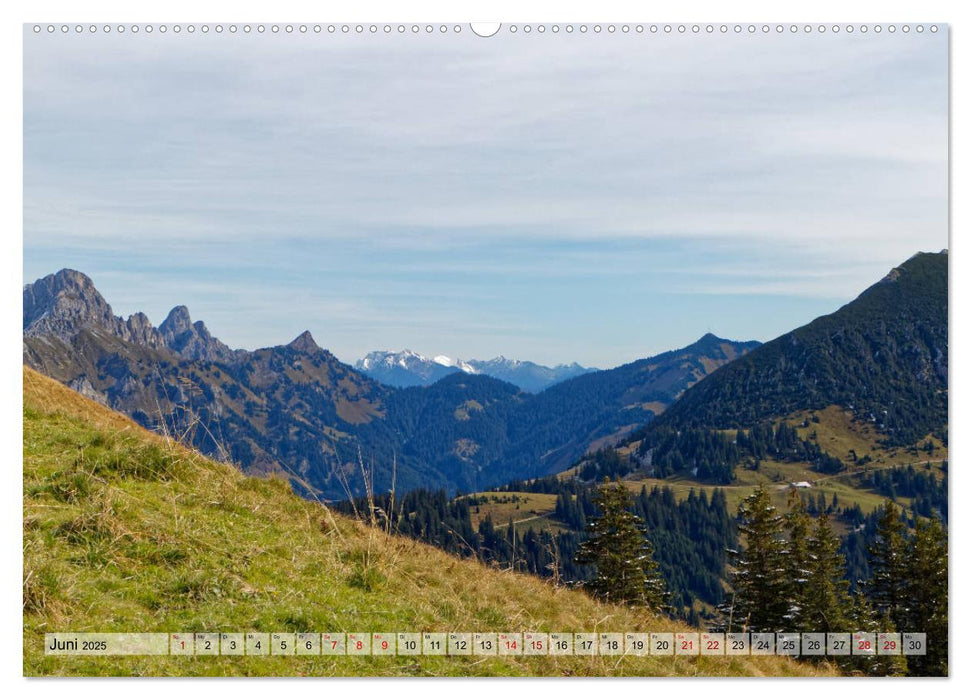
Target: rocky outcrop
65 303
62 304
304 343
193 341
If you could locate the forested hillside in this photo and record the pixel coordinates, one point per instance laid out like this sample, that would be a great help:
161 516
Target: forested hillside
692 535
296 410
882 356
881 359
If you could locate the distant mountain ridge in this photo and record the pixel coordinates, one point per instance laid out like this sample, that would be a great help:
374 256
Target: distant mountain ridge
407 368
522 435
883 356
878 367
527 375
298 410
63 304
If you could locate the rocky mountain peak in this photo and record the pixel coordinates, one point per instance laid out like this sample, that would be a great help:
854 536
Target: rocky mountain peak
63 303
304 343
193 341
67 279
138 329
177 322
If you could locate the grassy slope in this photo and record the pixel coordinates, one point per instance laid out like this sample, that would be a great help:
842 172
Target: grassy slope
501 507
124 531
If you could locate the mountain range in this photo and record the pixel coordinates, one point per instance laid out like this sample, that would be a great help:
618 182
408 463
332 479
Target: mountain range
296 409
408 368
880 361
860 395
883 357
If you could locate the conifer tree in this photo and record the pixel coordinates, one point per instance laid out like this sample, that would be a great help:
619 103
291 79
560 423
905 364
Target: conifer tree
866 619
617 546
824 603
926 596
760 570
799 526
888 567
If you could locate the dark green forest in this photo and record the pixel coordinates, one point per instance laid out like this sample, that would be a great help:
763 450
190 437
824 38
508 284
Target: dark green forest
709 456
882 356
691 537
790 574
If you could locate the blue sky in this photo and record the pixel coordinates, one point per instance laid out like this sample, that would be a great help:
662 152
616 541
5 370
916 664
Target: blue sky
549 197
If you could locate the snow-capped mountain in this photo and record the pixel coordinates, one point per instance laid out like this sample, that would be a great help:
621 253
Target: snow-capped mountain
527 375
446 361
405 368
408 368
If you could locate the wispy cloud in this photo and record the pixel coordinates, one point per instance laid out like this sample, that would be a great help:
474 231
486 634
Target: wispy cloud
458 193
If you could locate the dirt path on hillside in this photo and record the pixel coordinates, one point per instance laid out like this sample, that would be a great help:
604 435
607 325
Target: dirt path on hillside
877 469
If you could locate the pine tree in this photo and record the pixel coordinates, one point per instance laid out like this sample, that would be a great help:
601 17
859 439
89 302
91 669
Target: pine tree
626 571
824 603
888 574
926 596
798 525
760 571
866 619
